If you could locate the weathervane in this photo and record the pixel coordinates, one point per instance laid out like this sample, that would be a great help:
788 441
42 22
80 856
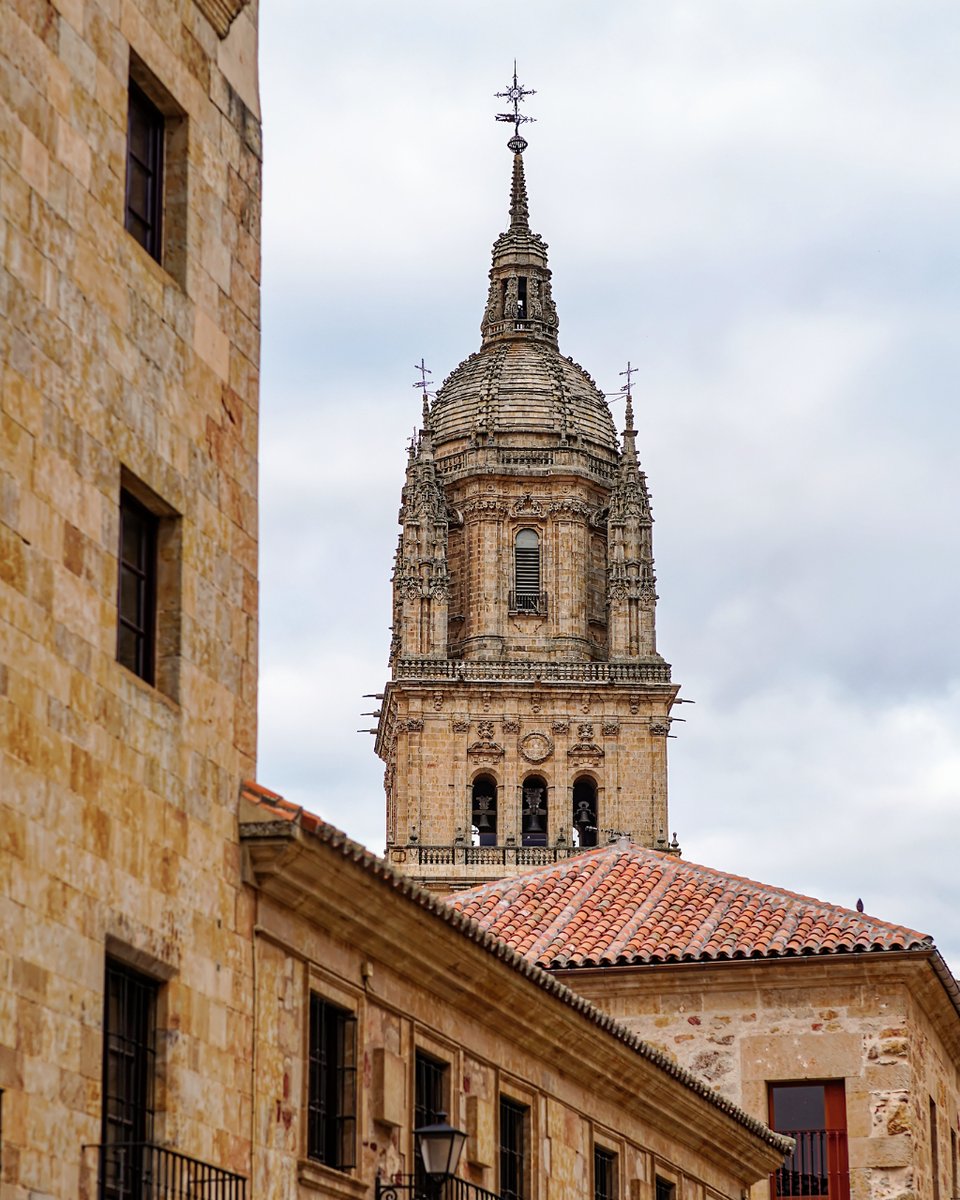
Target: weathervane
629 372
424 370
515 93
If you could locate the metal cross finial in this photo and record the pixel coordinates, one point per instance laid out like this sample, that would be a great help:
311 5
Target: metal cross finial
424 370
515 93
629 372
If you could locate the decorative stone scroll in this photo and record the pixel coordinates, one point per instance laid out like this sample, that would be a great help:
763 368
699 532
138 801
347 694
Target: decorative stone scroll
611 728
528 506
561 727
413 725
511 725
660 728
461 726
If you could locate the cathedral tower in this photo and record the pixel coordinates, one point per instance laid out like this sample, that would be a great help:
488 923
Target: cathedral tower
528 709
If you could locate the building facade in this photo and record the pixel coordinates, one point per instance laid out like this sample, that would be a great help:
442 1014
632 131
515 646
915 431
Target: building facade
528 707
367 982
129 329
833 1026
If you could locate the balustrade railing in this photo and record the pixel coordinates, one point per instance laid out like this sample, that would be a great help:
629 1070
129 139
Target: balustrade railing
562 670
145 1171
482 856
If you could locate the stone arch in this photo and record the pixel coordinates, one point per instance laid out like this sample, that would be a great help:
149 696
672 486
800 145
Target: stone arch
585 810
484 797
534 809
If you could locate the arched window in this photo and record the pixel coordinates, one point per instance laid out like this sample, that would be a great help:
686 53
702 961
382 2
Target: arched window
533 813
585 812
526 572
484 810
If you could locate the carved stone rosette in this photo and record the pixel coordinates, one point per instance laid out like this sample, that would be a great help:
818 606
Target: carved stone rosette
535 747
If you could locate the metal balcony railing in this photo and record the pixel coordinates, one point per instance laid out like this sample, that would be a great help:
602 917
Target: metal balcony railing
145 1171
817 1167
529 602
409 1187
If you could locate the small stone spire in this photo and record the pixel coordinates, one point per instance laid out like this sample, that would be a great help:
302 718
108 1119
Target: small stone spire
519 212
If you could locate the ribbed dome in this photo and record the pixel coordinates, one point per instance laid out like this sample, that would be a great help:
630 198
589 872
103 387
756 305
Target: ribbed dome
522 392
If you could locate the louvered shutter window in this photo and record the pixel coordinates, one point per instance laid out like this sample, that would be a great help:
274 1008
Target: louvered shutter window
527 565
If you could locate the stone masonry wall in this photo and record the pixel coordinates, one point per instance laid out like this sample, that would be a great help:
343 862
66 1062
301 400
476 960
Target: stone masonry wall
117 798
743 1026
397 1015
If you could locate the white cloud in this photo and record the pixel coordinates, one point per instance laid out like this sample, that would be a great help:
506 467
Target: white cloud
754 202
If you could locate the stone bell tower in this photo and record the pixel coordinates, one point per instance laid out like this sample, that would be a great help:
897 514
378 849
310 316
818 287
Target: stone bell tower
527 711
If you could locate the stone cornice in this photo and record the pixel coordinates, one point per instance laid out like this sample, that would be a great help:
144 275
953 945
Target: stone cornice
221 13
335 883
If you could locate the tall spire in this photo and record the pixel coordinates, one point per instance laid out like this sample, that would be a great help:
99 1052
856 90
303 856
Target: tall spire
519 300
519 213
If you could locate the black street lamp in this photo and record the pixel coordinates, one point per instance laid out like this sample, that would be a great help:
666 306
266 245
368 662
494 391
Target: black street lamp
440 1147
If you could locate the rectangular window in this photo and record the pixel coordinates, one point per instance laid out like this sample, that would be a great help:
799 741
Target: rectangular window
429 1102
145 139
815 1115
513 1149
137 593
665 1190
604 1174
129 1063
332 1085
934 1150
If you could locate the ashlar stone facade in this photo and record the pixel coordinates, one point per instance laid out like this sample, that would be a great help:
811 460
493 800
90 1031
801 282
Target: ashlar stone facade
126 372
414 980
528 708
884 1026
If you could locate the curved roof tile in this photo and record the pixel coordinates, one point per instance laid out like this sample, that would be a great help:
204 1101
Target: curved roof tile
624 904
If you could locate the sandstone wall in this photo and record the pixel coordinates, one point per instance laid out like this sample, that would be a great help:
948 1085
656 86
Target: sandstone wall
118 798
400 1009
745 1025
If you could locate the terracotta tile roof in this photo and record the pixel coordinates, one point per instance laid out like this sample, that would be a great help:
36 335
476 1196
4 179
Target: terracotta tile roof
274 807
623 904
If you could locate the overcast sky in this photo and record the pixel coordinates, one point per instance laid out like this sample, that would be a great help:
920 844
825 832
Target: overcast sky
754 200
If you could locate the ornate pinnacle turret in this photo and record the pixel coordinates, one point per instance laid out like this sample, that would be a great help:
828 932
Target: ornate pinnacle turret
519 302
629 497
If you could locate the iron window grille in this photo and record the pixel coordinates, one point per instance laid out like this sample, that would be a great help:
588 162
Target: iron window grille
429 1104
332 1086
137 587
129 1065
604 1174
144 199
513 1149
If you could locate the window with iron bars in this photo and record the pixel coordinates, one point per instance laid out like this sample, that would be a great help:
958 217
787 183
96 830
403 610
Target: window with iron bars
129 1068
429 1103
513 1149
604 1174
137 587
332 1085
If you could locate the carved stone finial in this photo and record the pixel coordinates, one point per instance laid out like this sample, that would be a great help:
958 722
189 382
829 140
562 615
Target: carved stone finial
519 210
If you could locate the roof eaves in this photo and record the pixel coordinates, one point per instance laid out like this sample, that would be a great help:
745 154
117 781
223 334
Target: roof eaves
380 869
